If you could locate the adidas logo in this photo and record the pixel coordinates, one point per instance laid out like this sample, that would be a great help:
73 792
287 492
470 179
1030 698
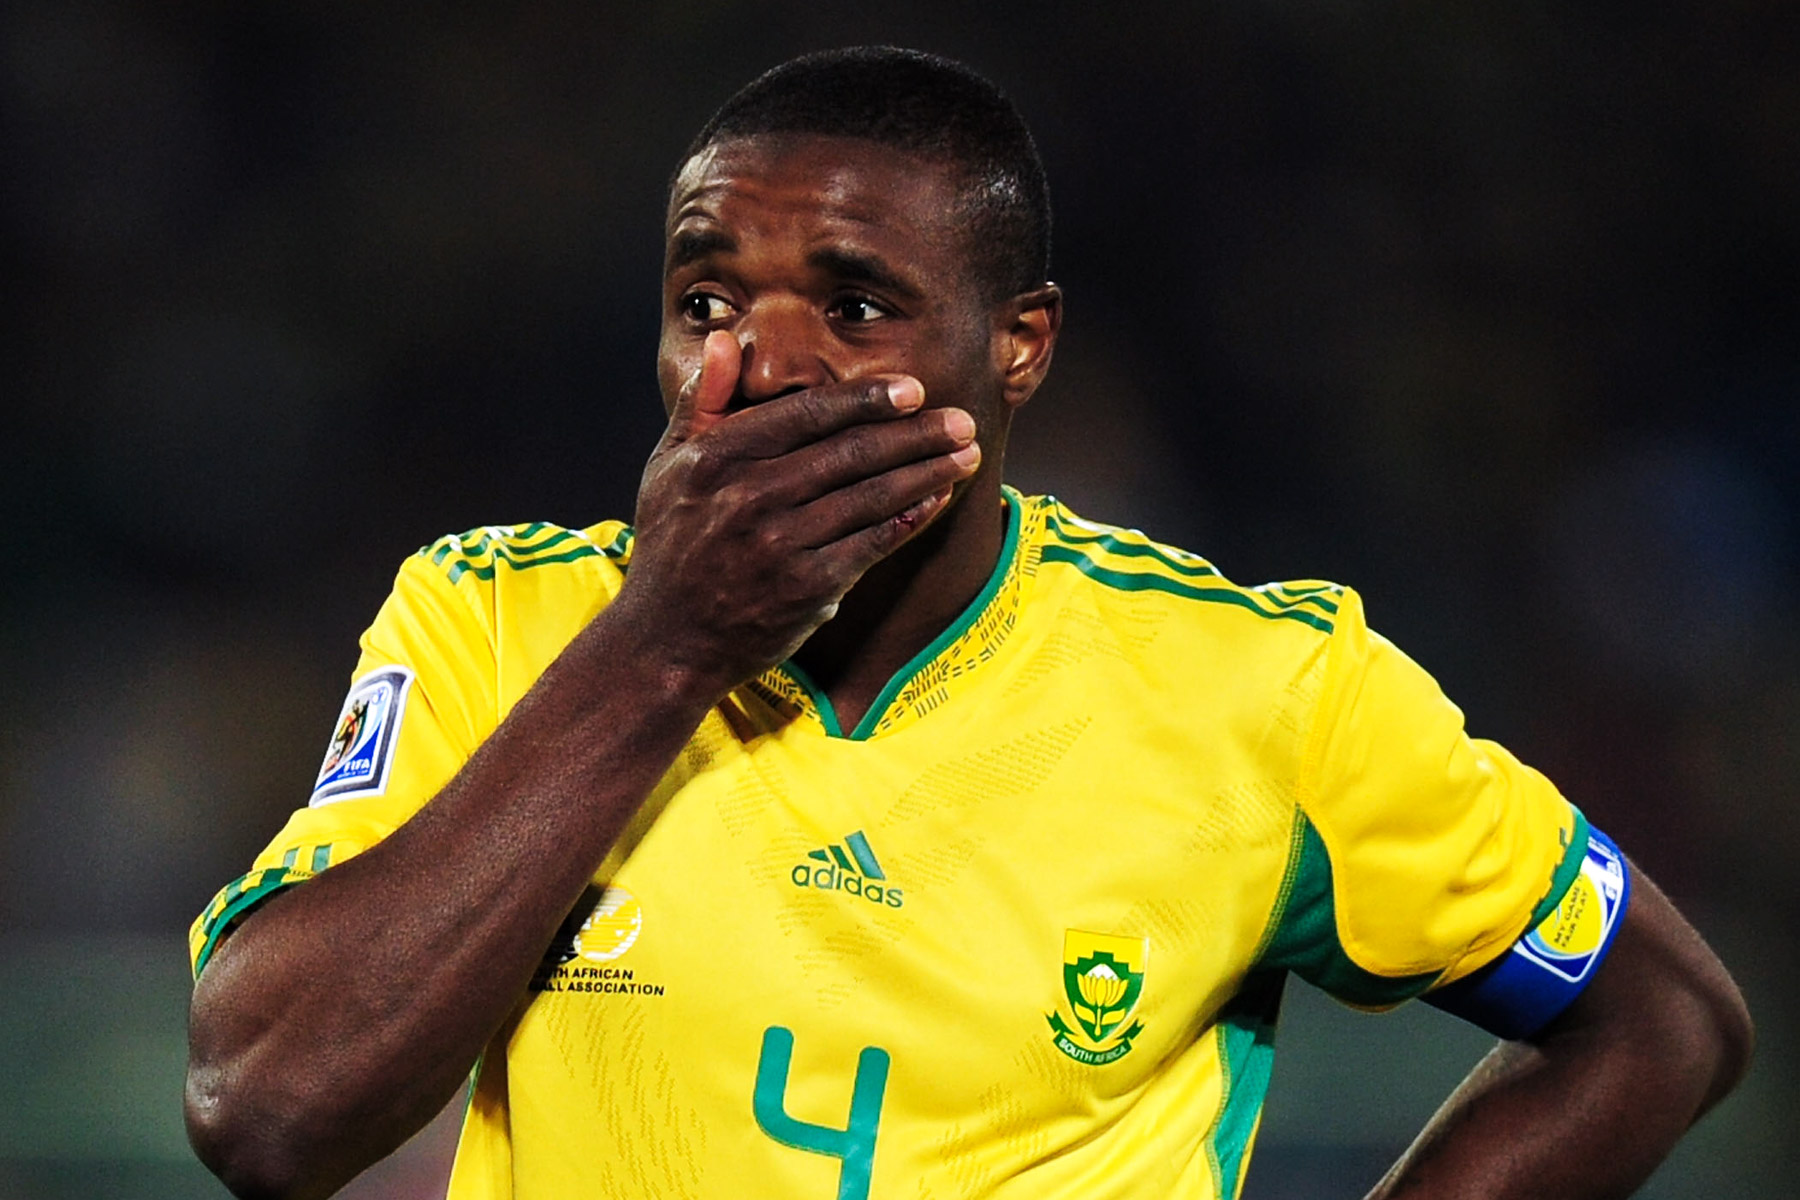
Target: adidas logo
848 866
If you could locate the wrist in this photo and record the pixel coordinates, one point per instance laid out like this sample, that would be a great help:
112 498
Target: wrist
640 640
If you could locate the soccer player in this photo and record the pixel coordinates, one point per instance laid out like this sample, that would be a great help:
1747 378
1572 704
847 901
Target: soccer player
852 825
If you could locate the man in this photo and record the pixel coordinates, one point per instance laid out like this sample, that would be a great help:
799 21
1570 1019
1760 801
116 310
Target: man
852 825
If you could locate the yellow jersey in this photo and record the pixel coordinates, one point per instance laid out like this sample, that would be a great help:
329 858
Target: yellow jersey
1020 933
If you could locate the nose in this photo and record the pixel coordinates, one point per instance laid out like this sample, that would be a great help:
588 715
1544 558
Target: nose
781 351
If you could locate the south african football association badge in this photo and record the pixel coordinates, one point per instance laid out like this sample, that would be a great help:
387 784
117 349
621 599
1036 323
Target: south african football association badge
1102 976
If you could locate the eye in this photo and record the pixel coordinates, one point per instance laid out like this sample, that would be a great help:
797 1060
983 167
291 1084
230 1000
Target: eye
703 308
859 310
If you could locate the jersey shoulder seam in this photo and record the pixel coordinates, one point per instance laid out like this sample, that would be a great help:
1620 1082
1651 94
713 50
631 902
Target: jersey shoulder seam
1128 560
481 551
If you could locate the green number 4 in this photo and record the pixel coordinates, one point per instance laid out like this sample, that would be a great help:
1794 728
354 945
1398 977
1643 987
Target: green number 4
853 1145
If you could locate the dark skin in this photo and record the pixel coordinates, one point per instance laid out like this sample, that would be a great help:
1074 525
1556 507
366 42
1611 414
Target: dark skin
785 262
1590 1106
824 406
839 390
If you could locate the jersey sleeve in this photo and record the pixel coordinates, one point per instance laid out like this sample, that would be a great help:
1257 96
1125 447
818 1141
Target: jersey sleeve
1419 854
423 696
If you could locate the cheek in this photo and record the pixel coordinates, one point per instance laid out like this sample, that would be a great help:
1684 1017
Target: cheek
970 383
957 347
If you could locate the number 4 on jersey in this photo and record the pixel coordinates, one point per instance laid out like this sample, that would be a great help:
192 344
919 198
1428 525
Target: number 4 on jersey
853 1145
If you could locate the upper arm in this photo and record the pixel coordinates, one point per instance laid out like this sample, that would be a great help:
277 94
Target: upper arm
1663 992
421 699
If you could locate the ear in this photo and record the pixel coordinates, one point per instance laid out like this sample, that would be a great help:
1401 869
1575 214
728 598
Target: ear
1024 339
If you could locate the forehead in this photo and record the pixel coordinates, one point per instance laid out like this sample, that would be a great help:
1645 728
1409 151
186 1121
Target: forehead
816 187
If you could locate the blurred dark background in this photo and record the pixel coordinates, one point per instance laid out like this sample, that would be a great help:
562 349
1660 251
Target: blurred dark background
1488 310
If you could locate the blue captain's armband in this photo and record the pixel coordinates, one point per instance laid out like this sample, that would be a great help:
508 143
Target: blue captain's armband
1548 967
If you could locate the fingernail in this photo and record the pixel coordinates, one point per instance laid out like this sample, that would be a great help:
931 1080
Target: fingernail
906 394
959 424
968 456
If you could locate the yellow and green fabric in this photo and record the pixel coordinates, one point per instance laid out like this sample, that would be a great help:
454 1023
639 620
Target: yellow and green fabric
1021 933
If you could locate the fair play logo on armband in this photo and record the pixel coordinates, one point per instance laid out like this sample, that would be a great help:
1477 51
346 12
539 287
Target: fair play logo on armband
1568 942
1522 991
356 762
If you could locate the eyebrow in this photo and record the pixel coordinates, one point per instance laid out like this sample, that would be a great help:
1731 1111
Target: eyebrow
692 245
860 268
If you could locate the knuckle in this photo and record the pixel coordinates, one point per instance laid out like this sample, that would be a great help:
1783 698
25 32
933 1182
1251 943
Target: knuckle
771 540
896 529
824 580
734 496
859 450
701 464
814 408
896 489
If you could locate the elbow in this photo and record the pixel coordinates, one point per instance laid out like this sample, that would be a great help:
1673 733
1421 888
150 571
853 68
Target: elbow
216 1138
249 1122
230 1143
1664 1010
1732 1034
252 1151
1700 1028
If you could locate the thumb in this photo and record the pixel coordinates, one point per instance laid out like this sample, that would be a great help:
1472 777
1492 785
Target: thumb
707 394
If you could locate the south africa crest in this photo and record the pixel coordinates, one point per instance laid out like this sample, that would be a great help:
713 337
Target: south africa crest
1102 977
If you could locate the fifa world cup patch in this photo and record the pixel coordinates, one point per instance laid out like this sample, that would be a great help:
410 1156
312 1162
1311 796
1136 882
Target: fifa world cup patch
1103 979
362 747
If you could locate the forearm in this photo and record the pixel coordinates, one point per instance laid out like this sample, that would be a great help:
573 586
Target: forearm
1592 1105
1544 1125
345 1013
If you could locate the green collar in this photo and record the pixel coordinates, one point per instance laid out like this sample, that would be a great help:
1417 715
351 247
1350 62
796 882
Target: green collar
914 690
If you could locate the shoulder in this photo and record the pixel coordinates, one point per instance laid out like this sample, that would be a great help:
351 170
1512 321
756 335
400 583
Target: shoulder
488 552
465 587
1104 558
1204 652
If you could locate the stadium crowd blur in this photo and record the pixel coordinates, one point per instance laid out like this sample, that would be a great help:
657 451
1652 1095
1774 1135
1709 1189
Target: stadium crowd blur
1491 311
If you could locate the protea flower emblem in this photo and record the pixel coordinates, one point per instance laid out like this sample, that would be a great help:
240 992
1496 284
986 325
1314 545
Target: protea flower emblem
1103 976
1102 990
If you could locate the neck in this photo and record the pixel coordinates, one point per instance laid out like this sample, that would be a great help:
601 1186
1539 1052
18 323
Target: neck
906 600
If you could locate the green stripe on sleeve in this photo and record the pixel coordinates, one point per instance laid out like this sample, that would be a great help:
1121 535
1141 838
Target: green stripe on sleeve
1322 596
1113 544
1566 871
244 899
1146 582
1284 599
620 543
478 551
1303 936
543 560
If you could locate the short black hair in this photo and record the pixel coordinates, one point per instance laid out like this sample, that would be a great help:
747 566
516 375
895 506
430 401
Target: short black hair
926 105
